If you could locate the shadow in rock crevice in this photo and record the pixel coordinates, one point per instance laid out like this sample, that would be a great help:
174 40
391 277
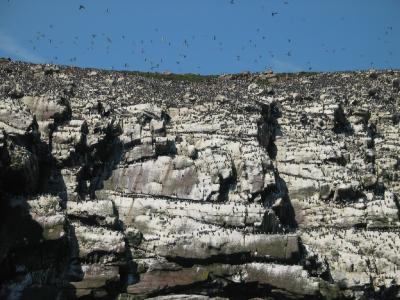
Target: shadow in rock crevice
268 127
100 160
283 207
227 184
238 258
341 124
216 286
275 197
31 264
31 267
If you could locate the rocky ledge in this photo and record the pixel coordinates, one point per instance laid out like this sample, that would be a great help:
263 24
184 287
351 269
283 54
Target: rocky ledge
119 185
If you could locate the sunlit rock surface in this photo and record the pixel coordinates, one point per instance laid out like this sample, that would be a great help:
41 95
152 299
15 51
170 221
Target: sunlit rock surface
121 185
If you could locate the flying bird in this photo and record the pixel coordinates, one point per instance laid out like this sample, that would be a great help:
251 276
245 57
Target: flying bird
274 13
81 7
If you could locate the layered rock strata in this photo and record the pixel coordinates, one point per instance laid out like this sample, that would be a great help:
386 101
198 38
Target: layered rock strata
121 185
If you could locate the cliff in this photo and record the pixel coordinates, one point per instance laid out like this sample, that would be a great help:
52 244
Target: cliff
118 185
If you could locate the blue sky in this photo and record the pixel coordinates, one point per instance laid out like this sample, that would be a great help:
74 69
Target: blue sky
204 36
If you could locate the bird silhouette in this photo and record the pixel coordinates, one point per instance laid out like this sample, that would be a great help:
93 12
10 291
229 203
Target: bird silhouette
274 13
81 7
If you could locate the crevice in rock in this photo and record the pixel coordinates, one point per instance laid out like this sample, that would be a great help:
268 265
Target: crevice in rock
340 122
313 265
31 267
216 286
277 197
397 203
92 220
225 185
267 127
278 200
100 160
231 259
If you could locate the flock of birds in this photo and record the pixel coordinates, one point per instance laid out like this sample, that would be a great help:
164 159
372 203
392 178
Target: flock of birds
139 47
140 50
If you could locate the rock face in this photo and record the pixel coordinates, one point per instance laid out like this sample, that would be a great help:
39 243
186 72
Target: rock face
130 186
